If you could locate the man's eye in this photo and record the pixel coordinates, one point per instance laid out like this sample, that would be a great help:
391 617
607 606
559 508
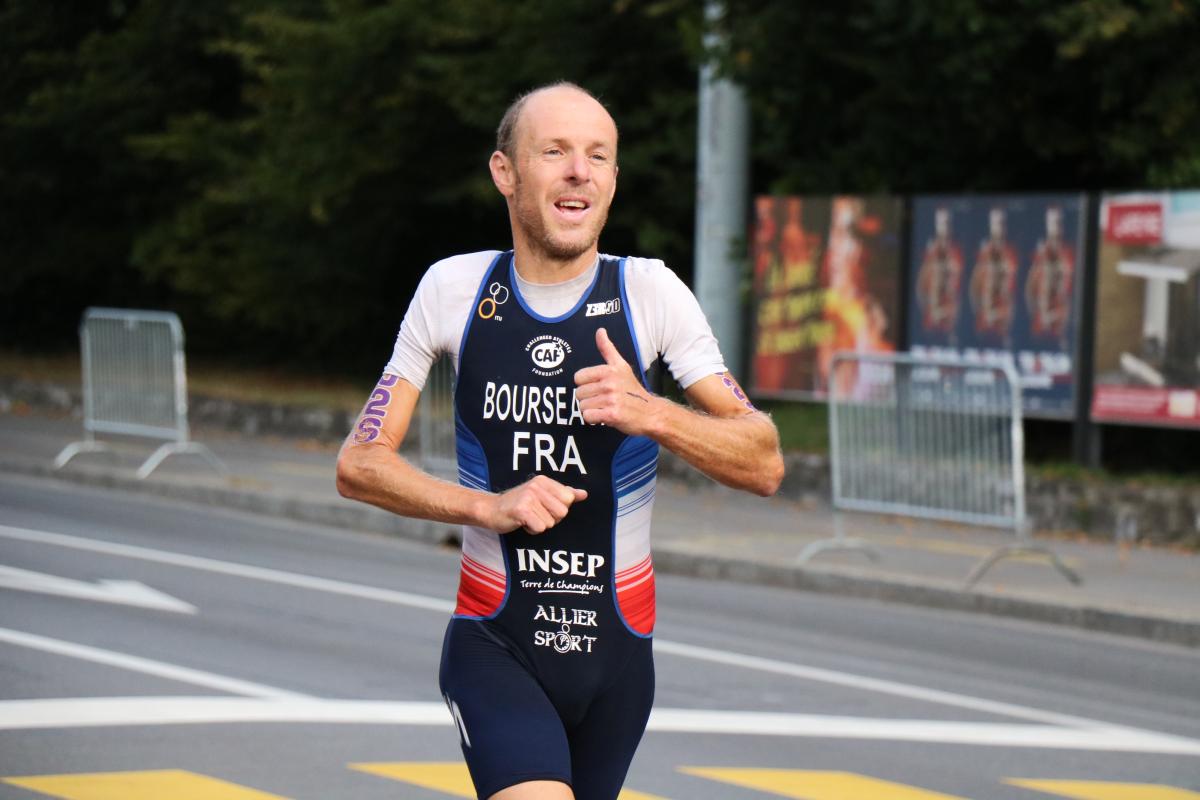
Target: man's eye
554 151
599 157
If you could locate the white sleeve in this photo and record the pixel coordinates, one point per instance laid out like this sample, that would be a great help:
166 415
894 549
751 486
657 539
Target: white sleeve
415 347
668 321
437 316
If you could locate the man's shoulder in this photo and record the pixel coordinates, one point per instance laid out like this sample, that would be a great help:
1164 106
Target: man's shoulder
646 271
639 264
651 276
458 275
464 263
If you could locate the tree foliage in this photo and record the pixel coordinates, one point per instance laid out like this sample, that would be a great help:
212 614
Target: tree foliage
969 95
280 172
77 82
362 156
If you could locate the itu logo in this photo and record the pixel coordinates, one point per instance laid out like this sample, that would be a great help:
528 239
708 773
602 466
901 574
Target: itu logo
498 297
547 352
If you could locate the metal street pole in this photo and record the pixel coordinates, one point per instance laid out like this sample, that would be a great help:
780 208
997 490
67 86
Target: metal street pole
722 166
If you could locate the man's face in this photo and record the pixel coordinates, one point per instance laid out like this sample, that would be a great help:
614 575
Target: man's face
564 172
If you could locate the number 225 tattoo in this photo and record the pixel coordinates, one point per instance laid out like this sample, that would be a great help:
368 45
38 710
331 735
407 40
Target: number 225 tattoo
371 421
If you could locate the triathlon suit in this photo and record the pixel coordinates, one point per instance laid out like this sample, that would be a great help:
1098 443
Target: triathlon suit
547 664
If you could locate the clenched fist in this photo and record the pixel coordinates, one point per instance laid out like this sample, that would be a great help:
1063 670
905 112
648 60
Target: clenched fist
536 505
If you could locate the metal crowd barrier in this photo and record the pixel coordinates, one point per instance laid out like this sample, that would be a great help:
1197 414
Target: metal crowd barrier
134 384
435 422
937 439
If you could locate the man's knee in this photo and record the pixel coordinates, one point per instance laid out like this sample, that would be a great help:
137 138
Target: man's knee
536 790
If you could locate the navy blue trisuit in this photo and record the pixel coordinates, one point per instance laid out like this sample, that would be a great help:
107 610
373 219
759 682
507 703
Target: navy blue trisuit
547 665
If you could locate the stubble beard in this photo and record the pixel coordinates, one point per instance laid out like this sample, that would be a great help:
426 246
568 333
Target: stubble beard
539 237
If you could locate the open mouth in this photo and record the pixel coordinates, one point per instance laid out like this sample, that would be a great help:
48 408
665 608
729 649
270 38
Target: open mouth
572 207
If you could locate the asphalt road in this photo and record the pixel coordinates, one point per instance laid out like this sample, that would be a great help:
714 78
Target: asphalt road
151 649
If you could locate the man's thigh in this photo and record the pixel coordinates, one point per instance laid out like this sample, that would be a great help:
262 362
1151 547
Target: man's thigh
603 744
511 734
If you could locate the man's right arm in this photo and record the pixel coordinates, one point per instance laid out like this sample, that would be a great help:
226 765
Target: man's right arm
369 469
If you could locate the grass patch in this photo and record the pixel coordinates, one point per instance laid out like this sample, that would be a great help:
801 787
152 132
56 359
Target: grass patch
257 385
1070 471
241 384
59 369
802 426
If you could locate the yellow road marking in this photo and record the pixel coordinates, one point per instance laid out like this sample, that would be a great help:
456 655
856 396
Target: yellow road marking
812 785
150 785
449 778
1105 790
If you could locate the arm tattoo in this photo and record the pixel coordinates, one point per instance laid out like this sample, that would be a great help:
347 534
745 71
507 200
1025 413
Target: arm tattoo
371 421
731 384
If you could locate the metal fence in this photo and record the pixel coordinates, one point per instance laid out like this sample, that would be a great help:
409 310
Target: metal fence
937 439
134 384
435 422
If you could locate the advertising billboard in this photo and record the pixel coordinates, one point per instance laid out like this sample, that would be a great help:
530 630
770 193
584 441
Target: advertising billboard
994 279
826 278
1147 368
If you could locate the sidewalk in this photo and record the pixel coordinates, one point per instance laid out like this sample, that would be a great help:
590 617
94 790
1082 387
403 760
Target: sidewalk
709 532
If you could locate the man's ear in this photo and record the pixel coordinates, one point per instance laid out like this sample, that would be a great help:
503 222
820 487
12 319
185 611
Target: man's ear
502 173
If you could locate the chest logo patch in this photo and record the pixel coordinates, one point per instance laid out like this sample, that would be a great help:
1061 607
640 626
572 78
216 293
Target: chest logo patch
601 309
547 352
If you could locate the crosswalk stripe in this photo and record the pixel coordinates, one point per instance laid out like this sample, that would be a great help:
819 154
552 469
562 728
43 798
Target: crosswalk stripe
813 785
450 778
1106 790
149 785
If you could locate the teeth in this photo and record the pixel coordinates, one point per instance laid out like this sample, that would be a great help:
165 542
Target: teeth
573 204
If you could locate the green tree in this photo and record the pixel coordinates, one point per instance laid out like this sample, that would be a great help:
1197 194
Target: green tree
362 155
76 82
969 95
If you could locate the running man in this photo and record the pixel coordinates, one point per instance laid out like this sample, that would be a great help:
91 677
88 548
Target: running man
546 663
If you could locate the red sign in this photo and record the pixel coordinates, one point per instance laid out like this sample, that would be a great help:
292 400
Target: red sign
1139 404
1134 223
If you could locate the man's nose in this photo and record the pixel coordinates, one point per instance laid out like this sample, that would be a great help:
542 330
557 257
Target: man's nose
578 167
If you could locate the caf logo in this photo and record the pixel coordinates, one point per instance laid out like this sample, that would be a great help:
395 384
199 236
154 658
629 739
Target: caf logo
547 352
548 355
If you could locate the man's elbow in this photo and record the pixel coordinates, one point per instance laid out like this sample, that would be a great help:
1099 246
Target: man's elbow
349 475
769 473
769 477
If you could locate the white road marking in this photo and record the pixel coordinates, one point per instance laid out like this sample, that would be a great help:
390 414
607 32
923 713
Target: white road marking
853 681
147 666
231 568
741 660
130 711
129 593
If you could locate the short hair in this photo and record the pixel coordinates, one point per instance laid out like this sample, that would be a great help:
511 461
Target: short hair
506 134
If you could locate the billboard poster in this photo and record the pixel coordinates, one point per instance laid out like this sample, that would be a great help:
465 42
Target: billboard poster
994 280
1147 368
826 278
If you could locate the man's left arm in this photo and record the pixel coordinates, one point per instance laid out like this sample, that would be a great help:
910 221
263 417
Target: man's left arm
723 436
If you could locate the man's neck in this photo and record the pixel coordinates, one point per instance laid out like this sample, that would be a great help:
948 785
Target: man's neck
535 266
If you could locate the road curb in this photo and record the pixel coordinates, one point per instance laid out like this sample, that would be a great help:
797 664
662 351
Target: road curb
667 559
929 595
